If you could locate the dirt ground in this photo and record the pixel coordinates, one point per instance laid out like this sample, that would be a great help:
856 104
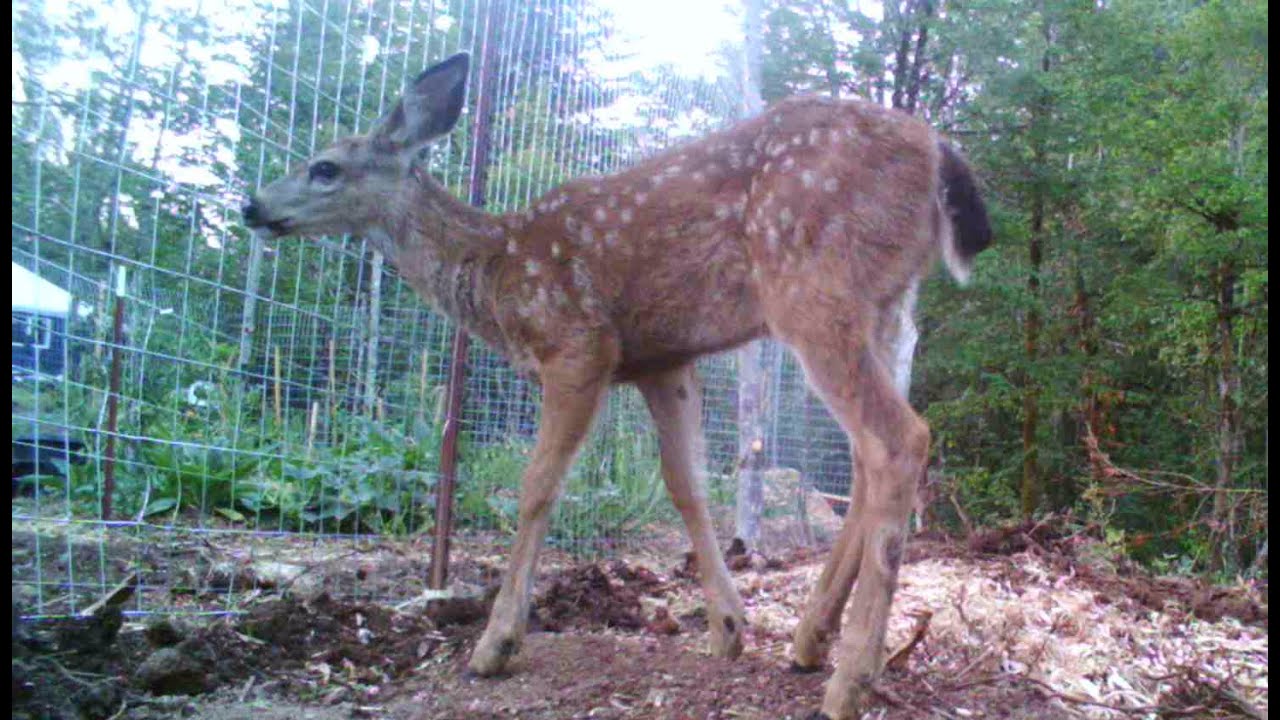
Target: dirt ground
1031 621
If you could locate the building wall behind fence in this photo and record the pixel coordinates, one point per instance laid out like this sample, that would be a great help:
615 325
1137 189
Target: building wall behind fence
297 385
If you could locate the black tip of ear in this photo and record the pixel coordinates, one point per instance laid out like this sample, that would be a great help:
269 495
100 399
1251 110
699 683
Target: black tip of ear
459 63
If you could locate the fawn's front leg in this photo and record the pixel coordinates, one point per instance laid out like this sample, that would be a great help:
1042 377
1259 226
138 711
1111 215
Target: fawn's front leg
572 390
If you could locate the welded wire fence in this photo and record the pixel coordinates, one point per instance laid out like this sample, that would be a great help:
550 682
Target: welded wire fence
182 376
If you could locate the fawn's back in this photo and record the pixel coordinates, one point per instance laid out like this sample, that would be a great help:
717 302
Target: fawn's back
690 252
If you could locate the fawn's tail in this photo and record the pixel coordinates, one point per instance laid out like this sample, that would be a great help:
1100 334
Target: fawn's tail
966 230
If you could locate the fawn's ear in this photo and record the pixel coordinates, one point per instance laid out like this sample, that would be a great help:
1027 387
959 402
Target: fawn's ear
429 108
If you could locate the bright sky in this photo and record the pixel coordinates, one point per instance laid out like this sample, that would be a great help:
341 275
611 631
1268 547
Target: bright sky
686 33
648 30
689 33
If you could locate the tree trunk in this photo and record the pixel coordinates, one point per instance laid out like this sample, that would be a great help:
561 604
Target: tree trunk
751 385
374 329
904 343
1091 413
248 312
753 31
1224 542
750 495
900 55
1032 485
919 71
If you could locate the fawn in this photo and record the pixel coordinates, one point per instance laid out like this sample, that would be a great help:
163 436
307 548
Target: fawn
812 222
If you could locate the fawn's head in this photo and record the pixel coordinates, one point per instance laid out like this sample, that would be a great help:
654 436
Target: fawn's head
345 188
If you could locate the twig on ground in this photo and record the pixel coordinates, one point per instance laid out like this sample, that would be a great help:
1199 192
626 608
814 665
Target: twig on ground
964 517
984 680
1031 543
972 664
893 699
64 672
124 705
1160 710
898 661
1041 523
958 603
118 595
1244 706
244 691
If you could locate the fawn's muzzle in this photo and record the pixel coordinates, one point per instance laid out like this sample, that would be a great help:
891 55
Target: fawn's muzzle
252 213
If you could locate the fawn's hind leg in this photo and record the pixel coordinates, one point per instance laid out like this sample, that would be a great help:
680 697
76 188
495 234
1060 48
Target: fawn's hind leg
892 443
821 620
675 401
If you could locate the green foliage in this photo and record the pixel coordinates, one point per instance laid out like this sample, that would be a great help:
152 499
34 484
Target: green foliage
487 495
1137 134
614 491
616 488
376 480
224 459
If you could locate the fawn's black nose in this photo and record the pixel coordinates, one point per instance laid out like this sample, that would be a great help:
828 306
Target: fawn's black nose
251 212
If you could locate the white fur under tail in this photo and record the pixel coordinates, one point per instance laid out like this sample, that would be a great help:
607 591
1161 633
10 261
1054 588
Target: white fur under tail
959 269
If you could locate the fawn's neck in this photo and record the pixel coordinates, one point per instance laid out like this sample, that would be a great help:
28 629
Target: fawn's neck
448 251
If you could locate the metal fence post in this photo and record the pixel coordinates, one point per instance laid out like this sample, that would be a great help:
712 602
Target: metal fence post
457 367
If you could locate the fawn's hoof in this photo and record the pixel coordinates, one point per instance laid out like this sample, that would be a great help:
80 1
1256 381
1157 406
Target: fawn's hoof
808 649
491 656
726 635
847 696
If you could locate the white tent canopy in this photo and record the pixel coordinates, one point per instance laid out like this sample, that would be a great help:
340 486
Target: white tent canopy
34 294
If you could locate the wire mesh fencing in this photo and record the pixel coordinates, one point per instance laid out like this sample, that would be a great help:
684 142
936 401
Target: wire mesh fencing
176 379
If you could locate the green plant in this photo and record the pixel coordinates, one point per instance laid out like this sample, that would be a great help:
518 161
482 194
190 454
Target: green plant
614 491
489 483
376 479
222 457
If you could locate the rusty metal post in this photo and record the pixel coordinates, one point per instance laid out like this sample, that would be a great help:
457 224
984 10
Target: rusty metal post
487 75
448 464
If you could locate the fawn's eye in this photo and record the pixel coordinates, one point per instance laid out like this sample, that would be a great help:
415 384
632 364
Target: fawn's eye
324 170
